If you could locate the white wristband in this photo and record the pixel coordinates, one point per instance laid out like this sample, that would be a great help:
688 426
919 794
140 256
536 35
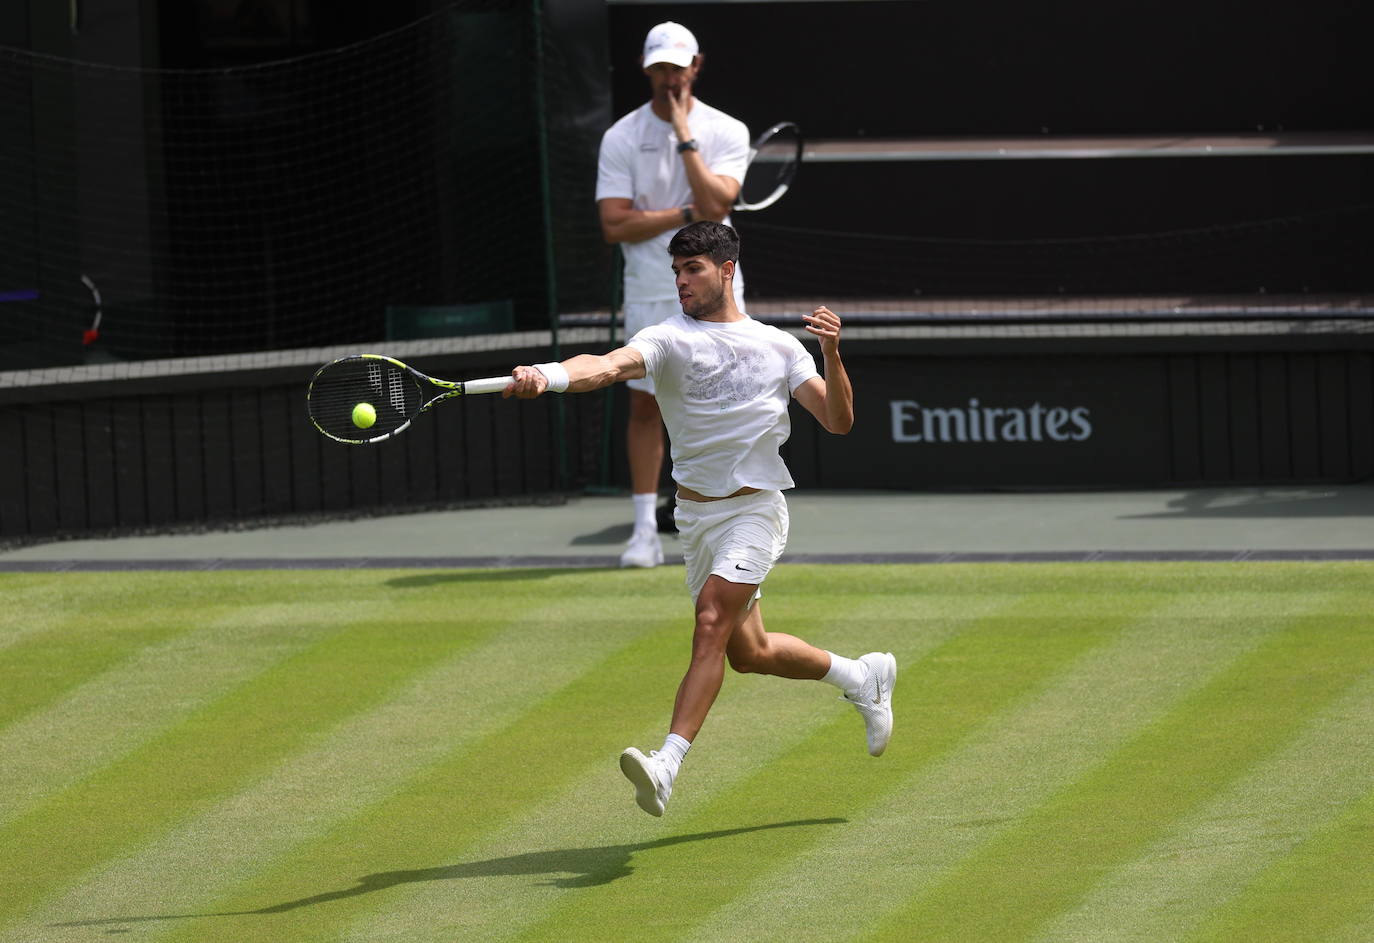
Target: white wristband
555 374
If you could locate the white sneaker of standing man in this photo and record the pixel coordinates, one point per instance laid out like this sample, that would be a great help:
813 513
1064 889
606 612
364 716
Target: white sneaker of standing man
645 549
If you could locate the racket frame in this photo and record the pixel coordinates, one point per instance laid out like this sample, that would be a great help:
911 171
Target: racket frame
449 389
778 193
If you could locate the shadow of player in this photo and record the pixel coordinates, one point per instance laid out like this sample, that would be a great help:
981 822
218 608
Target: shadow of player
577 867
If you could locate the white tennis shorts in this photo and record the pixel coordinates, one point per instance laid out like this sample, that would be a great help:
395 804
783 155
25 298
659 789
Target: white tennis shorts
737 539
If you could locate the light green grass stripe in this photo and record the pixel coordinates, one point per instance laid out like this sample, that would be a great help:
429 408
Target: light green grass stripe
34 602
944 812
358 765
154 688
1048 862
666 614
992 662
212 752
408 837
592 831
1317 892
1212 855
609 689
67 649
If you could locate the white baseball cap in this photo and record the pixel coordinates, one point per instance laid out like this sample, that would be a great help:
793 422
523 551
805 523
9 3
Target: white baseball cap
670 42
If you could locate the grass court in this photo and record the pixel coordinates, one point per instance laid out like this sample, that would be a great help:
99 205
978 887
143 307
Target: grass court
1083 752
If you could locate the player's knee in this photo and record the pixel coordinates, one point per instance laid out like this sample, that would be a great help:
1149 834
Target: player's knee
712 632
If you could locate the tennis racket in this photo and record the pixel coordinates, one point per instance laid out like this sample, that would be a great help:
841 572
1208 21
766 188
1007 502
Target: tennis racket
773 163
368 398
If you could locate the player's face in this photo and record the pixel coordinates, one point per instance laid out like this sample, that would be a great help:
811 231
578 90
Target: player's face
701 285
666 78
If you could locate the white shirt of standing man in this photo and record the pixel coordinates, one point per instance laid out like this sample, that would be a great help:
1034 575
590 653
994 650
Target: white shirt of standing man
670 162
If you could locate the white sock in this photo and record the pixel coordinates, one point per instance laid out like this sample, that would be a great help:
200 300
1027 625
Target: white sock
646 517
847 674
673 750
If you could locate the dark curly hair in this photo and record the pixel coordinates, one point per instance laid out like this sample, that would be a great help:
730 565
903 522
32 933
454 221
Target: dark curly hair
705 237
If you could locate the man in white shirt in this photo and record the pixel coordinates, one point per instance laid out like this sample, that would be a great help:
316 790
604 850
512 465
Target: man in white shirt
724 381
672 161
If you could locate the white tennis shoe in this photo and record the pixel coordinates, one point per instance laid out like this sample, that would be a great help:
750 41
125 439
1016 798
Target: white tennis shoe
873 700
644 549
652 783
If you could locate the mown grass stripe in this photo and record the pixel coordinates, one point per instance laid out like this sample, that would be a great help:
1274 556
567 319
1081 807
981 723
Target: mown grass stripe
151 690
1211 856
409 837
362 762
592 829
42 666
1047 863
992 662
943 812
540 857
1320 891
667 655
34 603
212 752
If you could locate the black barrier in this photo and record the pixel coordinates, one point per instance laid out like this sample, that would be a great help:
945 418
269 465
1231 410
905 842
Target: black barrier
1115 420
214 449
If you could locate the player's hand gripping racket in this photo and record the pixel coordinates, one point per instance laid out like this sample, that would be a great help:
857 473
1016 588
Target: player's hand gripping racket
367 398
773 163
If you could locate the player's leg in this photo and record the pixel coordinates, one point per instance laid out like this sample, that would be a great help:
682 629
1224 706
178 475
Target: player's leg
866 682
753 649
720 610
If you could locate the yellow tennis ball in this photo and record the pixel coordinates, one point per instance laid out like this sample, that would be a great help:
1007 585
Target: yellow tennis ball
364 415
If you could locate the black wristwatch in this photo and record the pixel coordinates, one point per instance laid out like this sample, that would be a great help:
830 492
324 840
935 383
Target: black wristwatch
686 214
688 146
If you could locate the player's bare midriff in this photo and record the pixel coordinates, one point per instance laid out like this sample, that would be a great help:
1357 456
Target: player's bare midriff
687 494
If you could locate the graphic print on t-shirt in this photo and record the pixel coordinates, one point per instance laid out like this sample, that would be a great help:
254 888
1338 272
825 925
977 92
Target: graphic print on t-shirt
718 373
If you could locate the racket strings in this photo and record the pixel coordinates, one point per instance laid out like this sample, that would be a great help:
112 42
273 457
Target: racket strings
339 388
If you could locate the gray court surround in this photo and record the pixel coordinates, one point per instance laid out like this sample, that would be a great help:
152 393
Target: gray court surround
1202 525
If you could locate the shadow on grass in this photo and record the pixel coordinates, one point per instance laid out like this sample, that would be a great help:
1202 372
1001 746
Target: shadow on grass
582 867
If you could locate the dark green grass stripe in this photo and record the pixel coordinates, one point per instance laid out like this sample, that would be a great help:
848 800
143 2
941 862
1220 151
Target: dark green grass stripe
416 835
42 667
1311 894
1044 866
213 751
827 779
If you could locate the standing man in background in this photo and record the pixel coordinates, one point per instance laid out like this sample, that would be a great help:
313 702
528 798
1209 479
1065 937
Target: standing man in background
670 162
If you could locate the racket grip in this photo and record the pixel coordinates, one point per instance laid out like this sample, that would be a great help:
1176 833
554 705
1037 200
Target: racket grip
487 385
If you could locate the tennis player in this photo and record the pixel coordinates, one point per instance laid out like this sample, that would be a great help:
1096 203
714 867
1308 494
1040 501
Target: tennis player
672 160
723 382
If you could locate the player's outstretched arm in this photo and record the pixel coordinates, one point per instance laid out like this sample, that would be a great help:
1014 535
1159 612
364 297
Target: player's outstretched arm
830 400
585 372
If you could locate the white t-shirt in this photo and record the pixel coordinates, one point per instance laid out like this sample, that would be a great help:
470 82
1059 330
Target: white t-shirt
639 162
723 389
